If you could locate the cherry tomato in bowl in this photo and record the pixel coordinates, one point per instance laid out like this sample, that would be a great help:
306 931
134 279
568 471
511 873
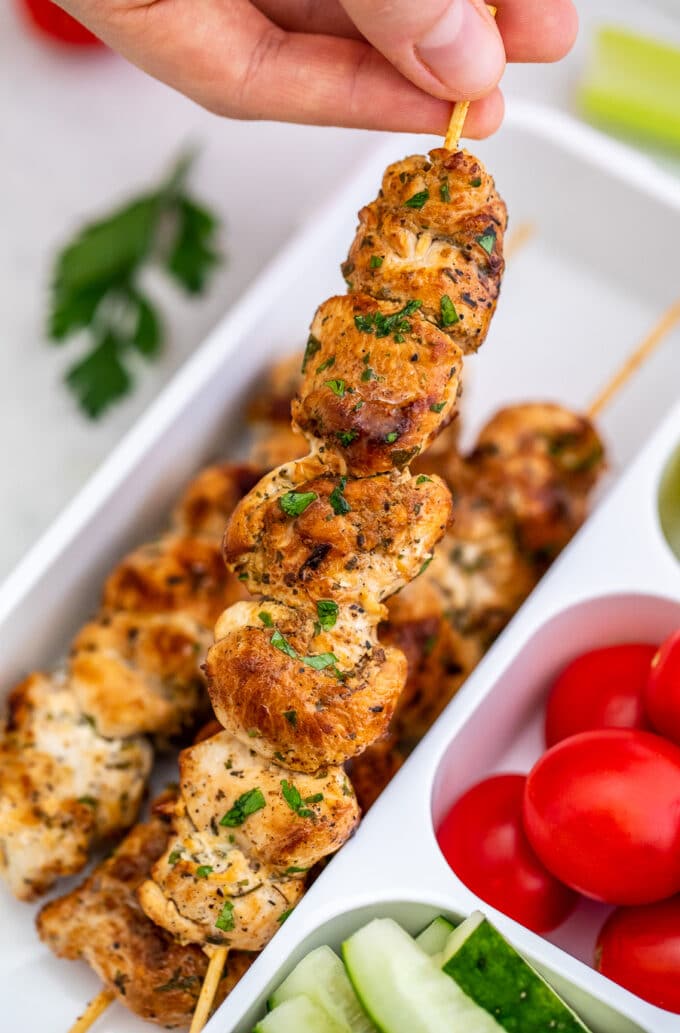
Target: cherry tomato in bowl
602 811
483 840
600 689
662 691
639 948
55 23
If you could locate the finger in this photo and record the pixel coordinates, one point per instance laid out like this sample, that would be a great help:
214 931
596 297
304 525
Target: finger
536 30
325 17
449 48
232 60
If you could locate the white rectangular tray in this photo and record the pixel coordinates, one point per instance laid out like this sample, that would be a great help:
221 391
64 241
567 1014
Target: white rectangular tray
575 301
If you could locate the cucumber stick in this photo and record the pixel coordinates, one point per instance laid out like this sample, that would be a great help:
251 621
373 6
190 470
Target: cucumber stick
299 1015
403 990
498 979
433 938
321 977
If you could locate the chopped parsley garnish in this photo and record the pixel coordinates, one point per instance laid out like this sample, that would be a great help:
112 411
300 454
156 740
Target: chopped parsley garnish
178 982
346 437
368 374
365 323
313 346
314 798
284 915
424 566
391 437
437 406
421 479
294 800
327 613
225 920
339 503
376 261
418 200
89 801
444 192
320 661
294 870
280 641
487 241
174 857
248 803
266 619
326 365
291 717
476 182
337 387
449 316
203 871
294 503
397 323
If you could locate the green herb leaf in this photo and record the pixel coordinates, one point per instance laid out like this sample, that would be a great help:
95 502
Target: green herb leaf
418 200
366 324
100 379
391 437
279 641
313 346
376 261
203 871
266 619
339 503
326 365
174 857
291 717
337 387
368 374
294 503
449 316
315 798
487 241
444 191
89 801
284 915
437 406
346 437
291 795
320 661
293 870
327 613
425 566
248 803
225 919
422 479
476 182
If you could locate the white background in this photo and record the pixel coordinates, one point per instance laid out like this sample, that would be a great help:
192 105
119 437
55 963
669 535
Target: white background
80 131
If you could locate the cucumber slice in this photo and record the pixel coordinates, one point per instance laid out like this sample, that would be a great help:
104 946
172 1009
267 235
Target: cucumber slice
491 972
321 977
299 1015
433 938
402 990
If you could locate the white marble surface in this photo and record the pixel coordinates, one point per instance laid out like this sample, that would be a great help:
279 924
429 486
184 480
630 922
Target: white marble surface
78 132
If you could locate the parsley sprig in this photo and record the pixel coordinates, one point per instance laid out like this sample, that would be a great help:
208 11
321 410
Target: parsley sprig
96 285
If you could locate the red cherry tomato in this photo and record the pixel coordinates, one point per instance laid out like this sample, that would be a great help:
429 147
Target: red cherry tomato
57 24
482 839
639 947
601 689
602 811
662 692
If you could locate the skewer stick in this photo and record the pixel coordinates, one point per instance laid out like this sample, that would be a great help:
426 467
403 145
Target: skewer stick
213 975
668 321
459 114
95 1008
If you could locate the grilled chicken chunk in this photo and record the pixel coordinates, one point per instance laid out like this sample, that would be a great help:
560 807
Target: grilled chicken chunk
102 923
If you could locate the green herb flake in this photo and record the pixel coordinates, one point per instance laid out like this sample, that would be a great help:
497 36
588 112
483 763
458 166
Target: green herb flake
314 798
284 915
376 261
418 200
449 316
368 374
339 503
225 919
203 871
346 437
291 717
326 365
320 661
476 182
174 857
338 387
89 801
266 619
294 800
437 406
365 324
294 870
280 642
487 241
422 479
313 346
327 613
424 566
391 437
294 503
248 803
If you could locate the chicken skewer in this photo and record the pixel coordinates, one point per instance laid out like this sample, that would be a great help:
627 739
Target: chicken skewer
75 756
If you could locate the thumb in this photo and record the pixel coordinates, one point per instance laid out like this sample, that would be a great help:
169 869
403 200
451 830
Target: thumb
450 48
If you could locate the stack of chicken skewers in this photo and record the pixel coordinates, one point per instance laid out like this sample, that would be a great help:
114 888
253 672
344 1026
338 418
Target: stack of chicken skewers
341 701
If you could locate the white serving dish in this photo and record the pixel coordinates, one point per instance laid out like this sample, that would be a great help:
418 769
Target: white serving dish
576 300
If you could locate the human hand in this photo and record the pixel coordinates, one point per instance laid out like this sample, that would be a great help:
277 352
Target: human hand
370 64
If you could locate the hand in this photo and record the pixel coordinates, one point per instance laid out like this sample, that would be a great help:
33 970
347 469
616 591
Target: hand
370 64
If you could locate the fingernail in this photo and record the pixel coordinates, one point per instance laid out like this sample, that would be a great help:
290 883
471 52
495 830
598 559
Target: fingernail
462 50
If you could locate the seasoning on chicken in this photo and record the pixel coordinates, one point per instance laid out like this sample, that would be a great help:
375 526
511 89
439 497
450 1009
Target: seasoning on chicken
73 759
102 923
300 678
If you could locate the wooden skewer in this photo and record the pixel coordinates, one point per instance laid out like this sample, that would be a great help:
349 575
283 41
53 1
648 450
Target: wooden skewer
668 321
218 960
95 1008
459 114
